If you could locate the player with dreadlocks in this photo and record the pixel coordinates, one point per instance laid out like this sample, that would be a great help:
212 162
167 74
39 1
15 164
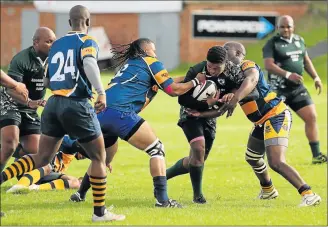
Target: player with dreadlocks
132 88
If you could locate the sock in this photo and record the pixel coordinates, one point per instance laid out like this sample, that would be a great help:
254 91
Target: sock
2 166
59 184
196 175
305 189
315 148
176 169
84 187
160 188
98 185
31 177
267 187
22 165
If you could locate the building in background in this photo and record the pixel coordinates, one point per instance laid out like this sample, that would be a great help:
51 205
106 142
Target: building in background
182 30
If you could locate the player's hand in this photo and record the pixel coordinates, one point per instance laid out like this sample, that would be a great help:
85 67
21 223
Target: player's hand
296 78
318 86
201 77
193 113
100 104
20 88
226 98
34 104
110 168
228 107
42 102
211 101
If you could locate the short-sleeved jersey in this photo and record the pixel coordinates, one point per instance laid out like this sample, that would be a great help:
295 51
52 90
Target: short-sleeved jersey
288 55
136 84
28 68
65 70
262 103
223 83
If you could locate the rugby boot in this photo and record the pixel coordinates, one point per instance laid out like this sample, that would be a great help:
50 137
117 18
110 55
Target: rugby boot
310 200
168 204
108 216
76 197
199 199
268 195
321 158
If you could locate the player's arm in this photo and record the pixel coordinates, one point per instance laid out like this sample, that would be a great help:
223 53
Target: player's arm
309 68
16 72
167 84
89 55
10 83
273 68
178 79
187 100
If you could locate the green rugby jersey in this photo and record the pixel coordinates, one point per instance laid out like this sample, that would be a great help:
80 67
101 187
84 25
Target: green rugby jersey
288 55
28 68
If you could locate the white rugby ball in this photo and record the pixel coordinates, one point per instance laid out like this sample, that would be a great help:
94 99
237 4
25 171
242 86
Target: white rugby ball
203 91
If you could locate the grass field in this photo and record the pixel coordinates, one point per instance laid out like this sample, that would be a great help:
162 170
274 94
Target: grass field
229 183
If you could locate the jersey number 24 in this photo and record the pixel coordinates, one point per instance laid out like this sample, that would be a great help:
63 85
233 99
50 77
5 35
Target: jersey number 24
68 67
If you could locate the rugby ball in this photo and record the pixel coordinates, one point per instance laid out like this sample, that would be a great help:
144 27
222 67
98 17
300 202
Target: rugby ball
205 90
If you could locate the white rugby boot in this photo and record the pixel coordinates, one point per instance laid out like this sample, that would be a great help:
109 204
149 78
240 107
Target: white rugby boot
310 200
108 216
268 195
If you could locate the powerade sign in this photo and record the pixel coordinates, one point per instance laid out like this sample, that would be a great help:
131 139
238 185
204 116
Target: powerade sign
237 26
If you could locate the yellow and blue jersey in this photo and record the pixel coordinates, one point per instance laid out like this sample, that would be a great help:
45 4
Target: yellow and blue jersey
65 69
262 103
136 84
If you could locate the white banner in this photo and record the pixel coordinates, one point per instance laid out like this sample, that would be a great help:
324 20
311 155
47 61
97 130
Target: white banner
110 6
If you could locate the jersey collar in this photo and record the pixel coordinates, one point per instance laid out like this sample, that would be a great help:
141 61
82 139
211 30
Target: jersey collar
288 40
33 53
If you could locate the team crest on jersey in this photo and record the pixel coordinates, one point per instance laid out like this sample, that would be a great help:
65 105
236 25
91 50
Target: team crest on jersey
298 44
221 81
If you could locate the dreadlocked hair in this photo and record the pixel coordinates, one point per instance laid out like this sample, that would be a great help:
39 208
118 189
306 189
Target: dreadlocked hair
121 53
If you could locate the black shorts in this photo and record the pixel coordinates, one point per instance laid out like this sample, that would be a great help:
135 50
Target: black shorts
75 117
297 98
198 128
28 123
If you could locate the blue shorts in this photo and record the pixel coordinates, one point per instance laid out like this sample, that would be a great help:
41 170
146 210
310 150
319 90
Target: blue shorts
115 123
75 117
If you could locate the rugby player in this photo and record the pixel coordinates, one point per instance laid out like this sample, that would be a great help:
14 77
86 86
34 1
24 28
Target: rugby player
200 132
272 122
19 88
285 58
130 91
72 70
19 120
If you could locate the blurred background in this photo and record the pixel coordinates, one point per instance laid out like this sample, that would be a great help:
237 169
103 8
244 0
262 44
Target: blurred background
182 30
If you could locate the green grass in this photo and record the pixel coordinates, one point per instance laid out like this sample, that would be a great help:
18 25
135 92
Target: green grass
229 183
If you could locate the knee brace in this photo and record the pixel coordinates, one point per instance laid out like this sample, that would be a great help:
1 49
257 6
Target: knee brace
259 165
156 149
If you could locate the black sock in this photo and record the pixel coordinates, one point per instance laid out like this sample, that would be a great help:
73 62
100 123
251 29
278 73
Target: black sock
304 188
84 187
160 188
196 175
266 184
176 169
315 148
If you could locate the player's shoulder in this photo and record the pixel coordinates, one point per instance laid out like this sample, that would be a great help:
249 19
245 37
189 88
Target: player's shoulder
85 37
247 64
150 60
199 67
298 38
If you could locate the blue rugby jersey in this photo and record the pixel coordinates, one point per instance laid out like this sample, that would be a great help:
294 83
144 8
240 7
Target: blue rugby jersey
136 84
65 69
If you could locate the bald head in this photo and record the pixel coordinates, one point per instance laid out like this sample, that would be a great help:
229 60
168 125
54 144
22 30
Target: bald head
42 40
42 32
285 18
79 18
236 51
286 26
